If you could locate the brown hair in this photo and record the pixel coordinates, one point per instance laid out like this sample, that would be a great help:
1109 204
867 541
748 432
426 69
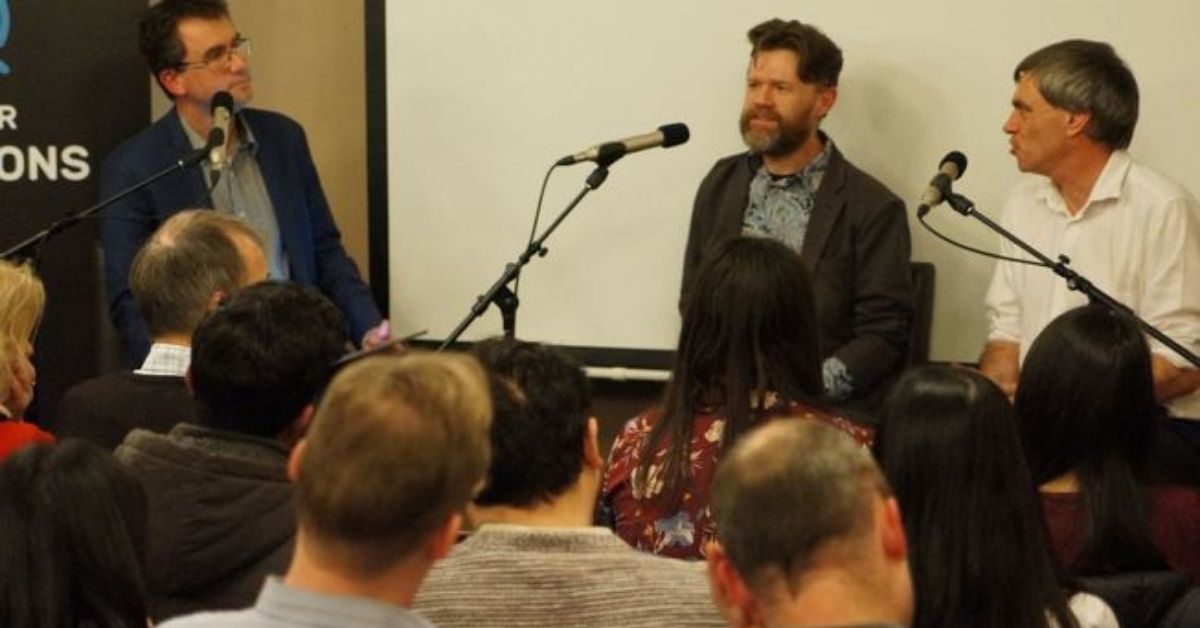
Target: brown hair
191 256
398 445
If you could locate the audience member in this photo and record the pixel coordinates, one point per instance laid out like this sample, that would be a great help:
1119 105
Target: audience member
220 502
535 546
397 448
194 261
72 534
980 555
747 352
22 299
1087 415
809 533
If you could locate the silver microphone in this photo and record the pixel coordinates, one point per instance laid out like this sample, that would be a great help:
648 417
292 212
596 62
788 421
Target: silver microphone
667 135
953 165
222 114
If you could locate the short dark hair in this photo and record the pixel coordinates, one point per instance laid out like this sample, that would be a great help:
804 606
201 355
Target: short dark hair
820 60
191 256
158 31
1086 404
1084 76
953 457
786 491
398 444
749 328
541 404
72 534
263 356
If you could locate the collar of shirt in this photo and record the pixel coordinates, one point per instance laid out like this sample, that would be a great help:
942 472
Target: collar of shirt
1107 187
245 138
311 608
166 360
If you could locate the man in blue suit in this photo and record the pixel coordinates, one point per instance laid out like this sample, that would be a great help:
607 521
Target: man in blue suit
194 51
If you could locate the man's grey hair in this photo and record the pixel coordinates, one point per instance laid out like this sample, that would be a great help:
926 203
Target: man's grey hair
189 258
1084 76
788 490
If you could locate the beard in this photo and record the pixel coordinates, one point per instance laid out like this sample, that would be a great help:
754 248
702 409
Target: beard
788 135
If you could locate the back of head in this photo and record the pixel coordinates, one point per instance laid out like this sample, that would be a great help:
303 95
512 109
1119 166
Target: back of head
789 493
540 398
952 454
22 299
749 327
72 525
1083 76
820 58
398 445
158 36
258 360
191 257
1086 405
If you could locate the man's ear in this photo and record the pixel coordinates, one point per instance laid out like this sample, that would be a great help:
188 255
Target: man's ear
1077 123
591 445
895 545
729 592
169 80
215 300
826 98
295 459
444 538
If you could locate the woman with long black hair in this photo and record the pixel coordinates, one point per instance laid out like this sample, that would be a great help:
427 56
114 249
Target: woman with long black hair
747 353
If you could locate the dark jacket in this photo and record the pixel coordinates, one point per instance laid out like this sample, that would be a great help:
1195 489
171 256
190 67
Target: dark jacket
306 227
105 409
857 247
221 516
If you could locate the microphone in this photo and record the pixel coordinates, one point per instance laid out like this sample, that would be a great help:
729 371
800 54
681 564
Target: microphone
953 165
222 113
667 135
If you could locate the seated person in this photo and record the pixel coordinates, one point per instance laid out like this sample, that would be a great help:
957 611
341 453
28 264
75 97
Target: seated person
194 261
535 546
221 515
72 542
980 556
747 352
22 300
397 448
809 533
1088 416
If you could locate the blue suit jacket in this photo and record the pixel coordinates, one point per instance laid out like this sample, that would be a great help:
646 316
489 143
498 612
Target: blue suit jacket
310 237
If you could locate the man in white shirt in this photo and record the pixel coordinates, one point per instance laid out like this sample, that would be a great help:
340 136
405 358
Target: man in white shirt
1129 230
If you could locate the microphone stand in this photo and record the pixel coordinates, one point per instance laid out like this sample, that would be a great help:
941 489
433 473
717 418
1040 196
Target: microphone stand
1075 281
30 247
499 293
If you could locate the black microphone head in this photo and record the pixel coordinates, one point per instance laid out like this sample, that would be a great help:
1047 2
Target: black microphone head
958 159
221 99
674 134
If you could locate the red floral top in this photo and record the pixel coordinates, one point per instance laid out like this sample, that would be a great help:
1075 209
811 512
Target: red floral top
645 519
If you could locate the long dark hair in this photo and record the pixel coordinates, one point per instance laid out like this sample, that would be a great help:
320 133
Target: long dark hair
1086 405
748 329
979 551
72 528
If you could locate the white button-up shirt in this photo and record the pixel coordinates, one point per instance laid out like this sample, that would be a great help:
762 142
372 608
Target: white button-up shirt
1137 238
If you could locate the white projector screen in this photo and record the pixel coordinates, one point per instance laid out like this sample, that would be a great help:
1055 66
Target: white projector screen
481 97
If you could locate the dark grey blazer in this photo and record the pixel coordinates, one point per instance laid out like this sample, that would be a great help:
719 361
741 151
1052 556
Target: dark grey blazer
857 247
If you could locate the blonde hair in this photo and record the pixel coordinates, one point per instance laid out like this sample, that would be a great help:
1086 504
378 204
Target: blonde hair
22 299
8 359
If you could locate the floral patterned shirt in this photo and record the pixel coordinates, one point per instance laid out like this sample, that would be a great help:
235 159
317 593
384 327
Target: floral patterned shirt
646 519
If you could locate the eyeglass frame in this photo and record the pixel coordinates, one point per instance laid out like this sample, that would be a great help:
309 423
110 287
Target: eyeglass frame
221 59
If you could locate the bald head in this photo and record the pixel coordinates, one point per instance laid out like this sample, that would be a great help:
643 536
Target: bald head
192 261
790 490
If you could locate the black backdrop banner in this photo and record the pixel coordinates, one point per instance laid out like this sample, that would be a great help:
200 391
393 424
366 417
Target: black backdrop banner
72 86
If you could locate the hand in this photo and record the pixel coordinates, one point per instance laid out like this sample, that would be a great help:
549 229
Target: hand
1000 363
377 335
